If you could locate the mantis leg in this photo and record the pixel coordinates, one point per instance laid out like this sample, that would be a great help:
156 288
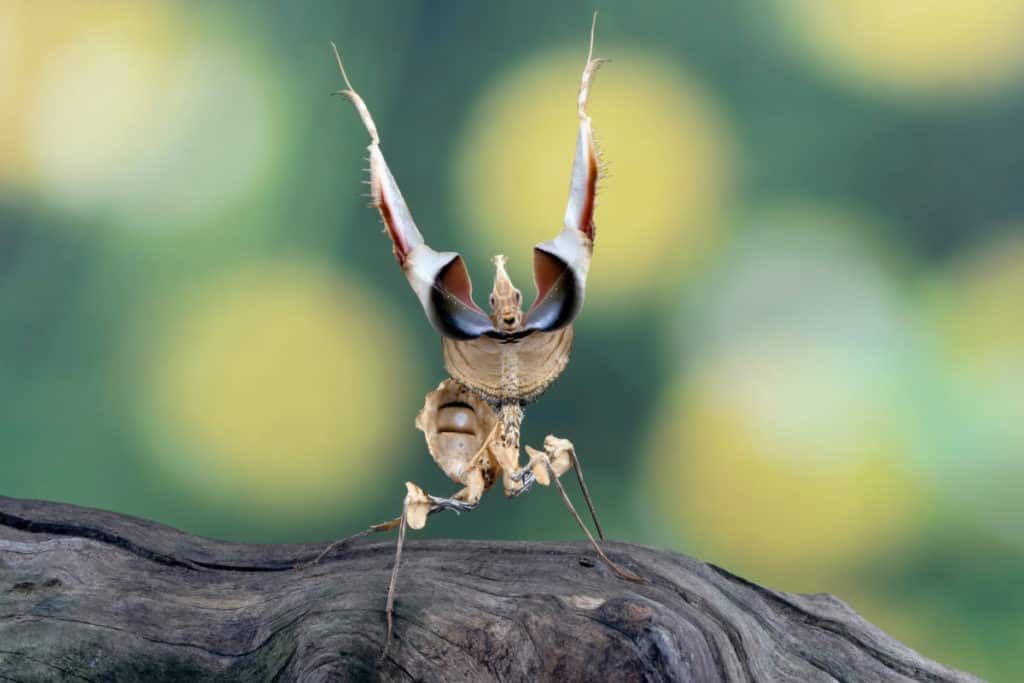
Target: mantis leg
586 168
558 456
417 505
560 265
342 542
457 504
389 608
567 445
439 279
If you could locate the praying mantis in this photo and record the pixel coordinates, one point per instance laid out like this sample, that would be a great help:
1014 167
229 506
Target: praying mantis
498 362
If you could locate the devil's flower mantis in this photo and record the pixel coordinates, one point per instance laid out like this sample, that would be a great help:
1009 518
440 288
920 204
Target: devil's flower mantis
500 361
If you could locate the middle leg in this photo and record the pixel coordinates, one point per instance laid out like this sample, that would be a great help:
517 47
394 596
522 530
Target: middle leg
549 465
418 504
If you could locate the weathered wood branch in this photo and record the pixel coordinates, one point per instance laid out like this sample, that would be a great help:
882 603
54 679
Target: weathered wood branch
92 595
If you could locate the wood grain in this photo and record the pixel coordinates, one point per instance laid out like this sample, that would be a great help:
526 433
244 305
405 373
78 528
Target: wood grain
88 595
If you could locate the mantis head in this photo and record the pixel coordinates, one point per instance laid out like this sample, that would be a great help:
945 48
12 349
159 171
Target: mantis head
506 301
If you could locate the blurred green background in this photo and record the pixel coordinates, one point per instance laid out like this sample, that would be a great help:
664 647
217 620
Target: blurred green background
802 353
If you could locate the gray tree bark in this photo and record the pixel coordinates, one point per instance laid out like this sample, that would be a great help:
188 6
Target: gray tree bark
92 595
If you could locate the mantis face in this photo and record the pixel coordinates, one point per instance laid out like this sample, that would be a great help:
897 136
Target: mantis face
506 301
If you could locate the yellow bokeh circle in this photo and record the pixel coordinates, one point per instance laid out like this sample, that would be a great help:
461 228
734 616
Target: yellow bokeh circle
913 46
785 449
277 383
978 307
983 318
130 42
769 465
668 164
134 111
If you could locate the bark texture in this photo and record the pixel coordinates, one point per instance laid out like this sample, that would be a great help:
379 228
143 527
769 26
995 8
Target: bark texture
92 595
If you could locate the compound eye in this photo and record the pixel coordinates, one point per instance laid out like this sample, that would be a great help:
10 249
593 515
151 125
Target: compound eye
519 297
456 418
493 301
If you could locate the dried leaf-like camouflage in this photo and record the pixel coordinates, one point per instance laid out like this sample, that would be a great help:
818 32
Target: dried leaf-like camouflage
500 361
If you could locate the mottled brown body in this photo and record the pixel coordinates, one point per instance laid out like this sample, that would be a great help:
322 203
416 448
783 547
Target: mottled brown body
459 428
504 370
500 361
